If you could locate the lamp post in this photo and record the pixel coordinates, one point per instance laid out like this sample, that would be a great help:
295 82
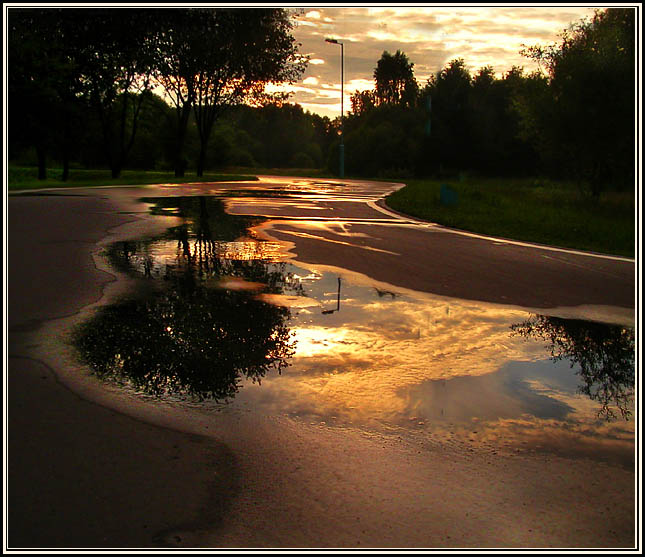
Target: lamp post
341 148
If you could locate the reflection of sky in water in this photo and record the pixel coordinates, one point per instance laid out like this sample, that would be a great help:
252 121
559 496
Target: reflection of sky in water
405 362
428 364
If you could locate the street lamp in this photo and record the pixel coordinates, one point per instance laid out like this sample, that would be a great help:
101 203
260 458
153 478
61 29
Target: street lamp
342 79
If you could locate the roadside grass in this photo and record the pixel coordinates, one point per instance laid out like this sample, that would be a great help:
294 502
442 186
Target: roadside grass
544 212
26 178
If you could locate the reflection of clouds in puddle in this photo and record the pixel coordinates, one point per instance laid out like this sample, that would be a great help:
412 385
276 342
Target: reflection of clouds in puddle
434 365
370 354
334 227
372 351
288 301
237 283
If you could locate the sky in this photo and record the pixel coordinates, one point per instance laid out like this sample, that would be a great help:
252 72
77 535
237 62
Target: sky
430 35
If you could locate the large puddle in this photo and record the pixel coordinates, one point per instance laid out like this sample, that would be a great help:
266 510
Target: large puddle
225 321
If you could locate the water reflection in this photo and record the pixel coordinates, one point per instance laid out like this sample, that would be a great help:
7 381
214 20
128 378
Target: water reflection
209 241
604 355
222 308
447 369
187 340
200 330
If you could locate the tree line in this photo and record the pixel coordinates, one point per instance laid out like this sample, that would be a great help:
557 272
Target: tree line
86 86
572 119
77 70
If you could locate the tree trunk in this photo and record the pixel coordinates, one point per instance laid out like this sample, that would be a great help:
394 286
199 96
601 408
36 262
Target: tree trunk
201 161
65 166
180 167
66 149
182 125
42 162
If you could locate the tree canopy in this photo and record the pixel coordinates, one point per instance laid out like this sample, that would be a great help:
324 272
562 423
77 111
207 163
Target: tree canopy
394 79
108 59
572 119
79 75
588 112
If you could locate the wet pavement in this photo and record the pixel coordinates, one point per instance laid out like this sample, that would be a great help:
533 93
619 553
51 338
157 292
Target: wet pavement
231 317
442 389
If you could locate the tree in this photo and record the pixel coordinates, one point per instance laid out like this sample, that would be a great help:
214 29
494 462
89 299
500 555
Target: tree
154 140
43 84
497 147
238 52
591 111
384 141
484 104
362 101
112 50
450 90
175 70
394 78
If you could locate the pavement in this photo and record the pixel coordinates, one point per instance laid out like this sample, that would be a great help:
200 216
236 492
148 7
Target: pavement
89 467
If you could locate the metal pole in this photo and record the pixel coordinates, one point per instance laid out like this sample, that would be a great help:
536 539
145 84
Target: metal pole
342 130
341 147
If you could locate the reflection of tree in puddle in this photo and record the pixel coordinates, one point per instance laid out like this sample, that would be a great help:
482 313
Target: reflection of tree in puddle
188 336
605 354
210 241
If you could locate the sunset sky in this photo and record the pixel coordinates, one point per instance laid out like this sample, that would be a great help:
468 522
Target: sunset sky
430 37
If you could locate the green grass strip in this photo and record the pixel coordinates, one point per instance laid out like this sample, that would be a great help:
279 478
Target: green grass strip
26 178
556 214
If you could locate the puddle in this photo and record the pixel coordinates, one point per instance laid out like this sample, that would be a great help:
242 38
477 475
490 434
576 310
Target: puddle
225 321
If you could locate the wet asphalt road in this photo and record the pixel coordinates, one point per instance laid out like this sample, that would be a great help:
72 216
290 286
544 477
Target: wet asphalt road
51 274
346 225
349 228
332 223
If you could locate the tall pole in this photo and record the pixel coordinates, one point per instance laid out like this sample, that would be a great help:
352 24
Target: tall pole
341 148
342 129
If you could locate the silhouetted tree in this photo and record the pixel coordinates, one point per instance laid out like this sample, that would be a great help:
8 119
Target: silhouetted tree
175 69
450 90
589 113
155 138
362 101
394 80
239 52
112 51
497 147
43 83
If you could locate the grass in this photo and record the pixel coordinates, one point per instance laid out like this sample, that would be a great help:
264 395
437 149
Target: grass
544 212
26 178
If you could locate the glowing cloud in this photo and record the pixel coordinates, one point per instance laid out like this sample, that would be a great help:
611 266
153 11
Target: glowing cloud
429 36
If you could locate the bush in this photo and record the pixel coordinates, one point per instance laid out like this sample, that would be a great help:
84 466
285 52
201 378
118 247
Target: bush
302 160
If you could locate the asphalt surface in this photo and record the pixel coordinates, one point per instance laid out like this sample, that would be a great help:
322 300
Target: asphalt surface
350 228
87 468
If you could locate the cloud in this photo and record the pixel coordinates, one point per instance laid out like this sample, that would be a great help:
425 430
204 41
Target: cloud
430 36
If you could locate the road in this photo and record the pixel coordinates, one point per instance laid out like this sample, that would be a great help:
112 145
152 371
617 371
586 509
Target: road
90 467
